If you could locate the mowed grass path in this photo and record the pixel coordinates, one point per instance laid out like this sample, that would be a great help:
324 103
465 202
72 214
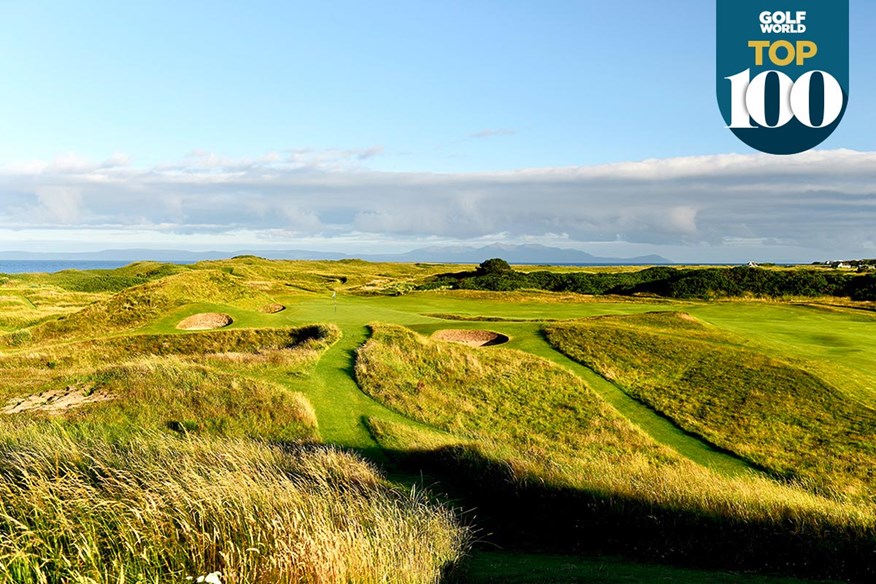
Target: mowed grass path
527 337
341 405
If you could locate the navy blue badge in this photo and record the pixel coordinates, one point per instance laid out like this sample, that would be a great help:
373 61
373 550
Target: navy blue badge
783 71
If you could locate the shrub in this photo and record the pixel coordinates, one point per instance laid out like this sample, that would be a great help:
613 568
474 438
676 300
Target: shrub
494 266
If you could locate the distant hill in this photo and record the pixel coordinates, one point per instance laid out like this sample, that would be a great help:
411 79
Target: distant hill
515 254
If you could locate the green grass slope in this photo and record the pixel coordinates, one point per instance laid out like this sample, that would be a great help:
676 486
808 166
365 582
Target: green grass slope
770 412
134 307
500 396
96 281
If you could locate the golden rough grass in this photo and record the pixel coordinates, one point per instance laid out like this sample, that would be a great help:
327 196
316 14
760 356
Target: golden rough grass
167 392
159 510
23 305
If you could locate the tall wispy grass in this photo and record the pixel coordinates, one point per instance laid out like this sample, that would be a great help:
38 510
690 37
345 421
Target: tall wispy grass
160 509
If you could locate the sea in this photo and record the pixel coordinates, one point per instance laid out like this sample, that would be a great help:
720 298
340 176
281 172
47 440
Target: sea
34 266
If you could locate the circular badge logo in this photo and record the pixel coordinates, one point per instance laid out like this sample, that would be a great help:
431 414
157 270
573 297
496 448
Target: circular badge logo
782 71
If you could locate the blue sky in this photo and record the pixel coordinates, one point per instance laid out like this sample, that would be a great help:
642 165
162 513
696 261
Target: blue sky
361 95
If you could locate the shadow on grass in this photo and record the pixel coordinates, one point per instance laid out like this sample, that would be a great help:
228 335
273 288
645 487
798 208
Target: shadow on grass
538 518
349 367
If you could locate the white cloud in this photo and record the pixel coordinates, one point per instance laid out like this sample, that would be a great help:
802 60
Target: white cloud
682 220
61 205
817 204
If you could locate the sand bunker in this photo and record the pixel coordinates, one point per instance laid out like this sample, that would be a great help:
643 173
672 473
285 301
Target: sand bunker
472 338
55 400
205 321
273 308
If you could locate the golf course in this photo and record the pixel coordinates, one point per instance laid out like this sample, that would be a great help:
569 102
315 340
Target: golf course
346 421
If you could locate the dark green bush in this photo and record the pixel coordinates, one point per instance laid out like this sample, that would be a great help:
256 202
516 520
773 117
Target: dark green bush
496 275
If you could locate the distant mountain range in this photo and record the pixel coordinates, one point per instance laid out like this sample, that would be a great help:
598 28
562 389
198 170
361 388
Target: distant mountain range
515 254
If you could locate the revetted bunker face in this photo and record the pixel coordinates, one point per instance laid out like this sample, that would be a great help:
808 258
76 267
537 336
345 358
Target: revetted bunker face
471 337
56 401
273 308
205 321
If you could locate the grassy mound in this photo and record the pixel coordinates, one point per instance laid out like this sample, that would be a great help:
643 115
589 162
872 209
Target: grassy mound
772 413
189 383
137 306
171 395
161 510
291 351
583 463
477 394
105 280
322 276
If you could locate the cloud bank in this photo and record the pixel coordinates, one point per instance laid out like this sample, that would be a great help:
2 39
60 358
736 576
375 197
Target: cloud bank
816 205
